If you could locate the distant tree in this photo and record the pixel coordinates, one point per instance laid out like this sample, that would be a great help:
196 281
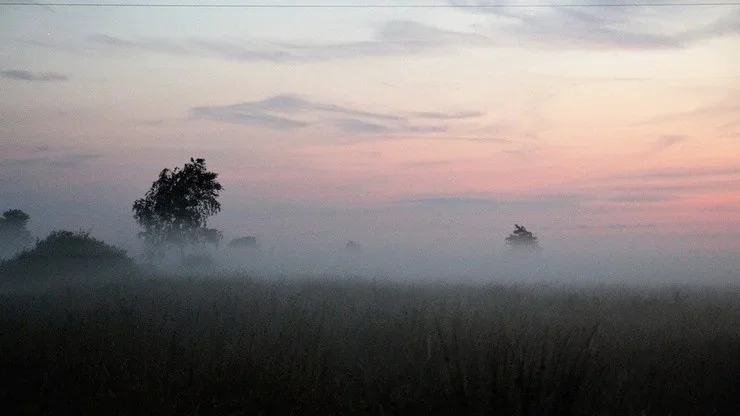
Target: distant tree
175 210
522 238
352 246
198 262
246 242
211 236
14 236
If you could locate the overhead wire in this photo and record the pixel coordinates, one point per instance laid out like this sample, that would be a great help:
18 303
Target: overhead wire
375 5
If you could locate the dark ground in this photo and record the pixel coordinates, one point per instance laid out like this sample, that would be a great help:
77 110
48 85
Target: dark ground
239 346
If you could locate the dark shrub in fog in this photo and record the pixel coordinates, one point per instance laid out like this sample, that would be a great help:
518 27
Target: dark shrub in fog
68 255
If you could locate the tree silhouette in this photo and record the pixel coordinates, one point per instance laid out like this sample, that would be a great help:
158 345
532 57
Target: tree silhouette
176 208
247 242
521 238
211 236
352 246
14 236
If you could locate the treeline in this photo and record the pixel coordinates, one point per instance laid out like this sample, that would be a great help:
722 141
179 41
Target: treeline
173 216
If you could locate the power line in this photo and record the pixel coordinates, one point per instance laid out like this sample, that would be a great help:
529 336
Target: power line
374 6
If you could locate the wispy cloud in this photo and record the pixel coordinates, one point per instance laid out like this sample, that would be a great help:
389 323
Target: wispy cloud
447 200
667 140
20 156
729 106
677 173
53 161
394 38
289 111
22 75
659 185
544 201
613 226
622 26
641 197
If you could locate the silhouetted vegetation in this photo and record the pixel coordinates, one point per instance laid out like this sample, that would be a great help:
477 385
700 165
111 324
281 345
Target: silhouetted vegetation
14 236
197 262
353 246
522 238
65 255
245 242
175 210
243 347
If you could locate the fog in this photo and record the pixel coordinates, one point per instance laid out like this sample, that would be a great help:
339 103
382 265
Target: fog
588 267
431 245
584 260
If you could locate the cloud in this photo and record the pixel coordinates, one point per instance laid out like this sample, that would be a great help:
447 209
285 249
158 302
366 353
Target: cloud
394 38
668 140
678 173
72 160
23 157
40 4
659 185
289 111
641 197
447 116
448 200
32 76
614 226
352 125
53 161
729 106
621 27
545 201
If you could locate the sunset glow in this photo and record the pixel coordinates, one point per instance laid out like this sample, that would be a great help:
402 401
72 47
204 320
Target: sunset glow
564 117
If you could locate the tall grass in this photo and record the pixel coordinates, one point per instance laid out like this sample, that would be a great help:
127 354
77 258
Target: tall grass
241 346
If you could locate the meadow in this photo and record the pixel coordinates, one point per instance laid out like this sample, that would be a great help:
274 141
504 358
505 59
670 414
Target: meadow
233 345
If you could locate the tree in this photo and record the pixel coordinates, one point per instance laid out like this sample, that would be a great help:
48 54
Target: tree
211 236
175 210
352 246
246 242
14 236
522 238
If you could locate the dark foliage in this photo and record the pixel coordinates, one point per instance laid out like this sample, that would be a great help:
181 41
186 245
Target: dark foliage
247 242
522 238
210 236
197 261
353 246
241 347
65 254
176 208
14 236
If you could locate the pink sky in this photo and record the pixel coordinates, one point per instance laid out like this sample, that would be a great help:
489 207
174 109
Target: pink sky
562 118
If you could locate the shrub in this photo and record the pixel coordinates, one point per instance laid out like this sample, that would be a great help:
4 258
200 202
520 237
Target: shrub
68 255
197 261
248 242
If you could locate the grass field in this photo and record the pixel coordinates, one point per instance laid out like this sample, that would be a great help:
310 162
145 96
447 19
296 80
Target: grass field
234 345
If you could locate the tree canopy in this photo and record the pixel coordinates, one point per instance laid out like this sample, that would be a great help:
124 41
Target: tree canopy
14 236
176 208
521 238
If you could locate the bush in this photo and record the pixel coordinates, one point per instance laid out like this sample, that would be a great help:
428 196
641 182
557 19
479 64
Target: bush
197 261
69 255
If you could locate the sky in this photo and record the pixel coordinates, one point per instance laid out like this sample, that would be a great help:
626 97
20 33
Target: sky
429 128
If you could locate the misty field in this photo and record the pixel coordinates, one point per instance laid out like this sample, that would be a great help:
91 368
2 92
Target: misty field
350 346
